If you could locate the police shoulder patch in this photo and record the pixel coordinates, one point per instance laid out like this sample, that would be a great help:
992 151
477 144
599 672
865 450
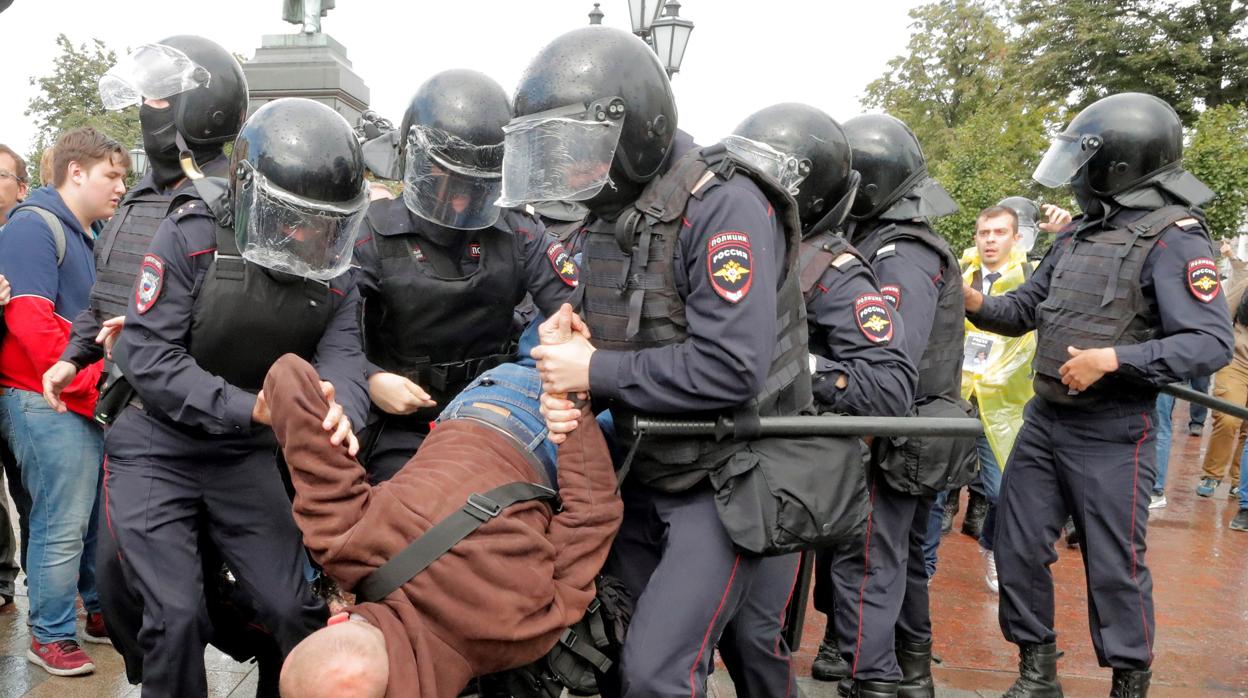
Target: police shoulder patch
151 280
892 293
729 265
565 268
873 318
1202 279
474 250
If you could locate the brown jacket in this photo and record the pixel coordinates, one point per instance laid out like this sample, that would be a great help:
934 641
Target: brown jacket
1238 284
497 600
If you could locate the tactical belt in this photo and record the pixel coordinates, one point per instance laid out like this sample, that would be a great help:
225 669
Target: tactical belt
451 375
435 542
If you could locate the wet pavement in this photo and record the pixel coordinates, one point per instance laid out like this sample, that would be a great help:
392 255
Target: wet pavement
1200 577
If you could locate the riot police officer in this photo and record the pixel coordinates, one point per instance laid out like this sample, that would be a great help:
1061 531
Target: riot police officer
687 292
856 357
442 268
1127 298
224 289
881 584
192 99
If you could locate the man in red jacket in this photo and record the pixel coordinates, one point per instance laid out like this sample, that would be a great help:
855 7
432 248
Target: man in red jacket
46 255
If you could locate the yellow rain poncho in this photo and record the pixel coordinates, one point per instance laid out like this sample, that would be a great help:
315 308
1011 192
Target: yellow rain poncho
996 370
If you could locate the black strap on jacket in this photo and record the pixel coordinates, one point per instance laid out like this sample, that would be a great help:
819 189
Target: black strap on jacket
435 542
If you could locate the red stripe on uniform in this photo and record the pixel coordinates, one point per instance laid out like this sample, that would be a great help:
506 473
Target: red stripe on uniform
108 514
862 589
361 242
686 222
1135 481
334 290
693 689
196 254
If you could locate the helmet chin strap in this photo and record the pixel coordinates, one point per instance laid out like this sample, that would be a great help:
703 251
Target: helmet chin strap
187 159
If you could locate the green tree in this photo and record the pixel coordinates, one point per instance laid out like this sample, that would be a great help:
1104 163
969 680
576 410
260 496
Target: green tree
1218 155
68 98
1191 53
958 61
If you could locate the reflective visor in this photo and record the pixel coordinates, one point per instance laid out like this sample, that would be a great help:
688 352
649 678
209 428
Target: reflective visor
152 71
553 157
451 182
1066 155
786 169
287 233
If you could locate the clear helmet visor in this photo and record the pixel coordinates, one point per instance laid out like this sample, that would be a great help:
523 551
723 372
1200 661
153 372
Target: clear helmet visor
1065 156
451 182
1026 237
152 71
557 158
284 232
788 170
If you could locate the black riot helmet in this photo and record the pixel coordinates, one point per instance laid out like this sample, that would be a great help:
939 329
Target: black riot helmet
807 152
888 156
594 105
297 188
1119 141
212 113
452 149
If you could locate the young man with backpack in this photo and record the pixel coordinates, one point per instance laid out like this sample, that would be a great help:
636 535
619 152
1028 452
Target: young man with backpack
46 255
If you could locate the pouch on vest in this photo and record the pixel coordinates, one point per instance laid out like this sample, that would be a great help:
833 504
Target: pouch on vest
928 465
781 495
585 652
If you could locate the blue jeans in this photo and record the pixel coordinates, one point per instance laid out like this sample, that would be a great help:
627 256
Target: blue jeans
1165 434
1198 412
1243 479
989 481
60 456
514 389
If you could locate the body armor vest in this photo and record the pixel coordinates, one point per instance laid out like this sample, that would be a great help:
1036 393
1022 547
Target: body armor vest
434 325
120 249
631 302
815 257
1095 301
940 367
245 317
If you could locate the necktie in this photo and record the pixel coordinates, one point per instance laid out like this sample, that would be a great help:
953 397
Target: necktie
991 278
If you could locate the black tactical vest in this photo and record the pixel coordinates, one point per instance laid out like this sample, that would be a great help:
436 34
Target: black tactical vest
940 368
120 249
245 317
818 254
1095 301
432 324
631 302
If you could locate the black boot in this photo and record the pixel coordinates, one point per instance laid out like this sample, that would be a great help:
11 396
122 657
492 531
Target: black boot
1129 683
860 688
915 659
976 513
828 665
951 510
1037 673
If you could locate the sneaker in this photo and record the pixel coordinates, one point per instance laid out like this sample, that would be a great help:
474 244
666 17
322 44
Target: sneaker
1207 486
1195 429
1157 500
1234 493
94 630
60 658
990 570
1240 522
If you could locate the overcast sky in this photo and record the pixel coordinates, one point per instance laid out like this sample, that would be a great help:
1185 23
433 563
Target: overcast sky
742 56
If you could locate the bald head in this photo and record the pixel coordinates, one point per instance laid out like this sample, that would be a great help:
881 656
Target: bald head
346 660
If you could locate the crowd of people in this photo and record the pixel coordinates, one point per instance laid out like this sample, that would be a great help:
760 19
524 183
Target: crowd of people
405 445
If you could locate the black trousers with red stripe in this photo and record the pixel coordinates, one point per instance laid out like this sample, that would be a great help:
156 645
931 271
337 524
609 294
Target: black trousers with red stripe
688 581
1099 468
752 646
881 584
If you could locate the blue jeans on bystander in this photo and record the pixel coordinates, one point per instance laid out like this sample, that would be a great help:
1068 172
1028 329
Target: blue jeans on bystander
60 457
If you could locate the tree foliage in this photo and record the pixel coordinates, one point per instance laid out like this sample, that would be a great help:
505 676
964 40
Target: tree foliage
985 82
68 97
1218 156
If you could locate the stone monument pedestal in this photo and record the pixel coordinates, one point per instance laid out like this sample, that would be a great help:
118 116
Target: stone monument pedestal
313 66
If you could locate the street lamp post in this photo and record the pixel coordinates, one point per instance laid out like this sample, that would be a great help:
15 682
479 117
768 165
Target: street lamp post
642 14
669 36
138 161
